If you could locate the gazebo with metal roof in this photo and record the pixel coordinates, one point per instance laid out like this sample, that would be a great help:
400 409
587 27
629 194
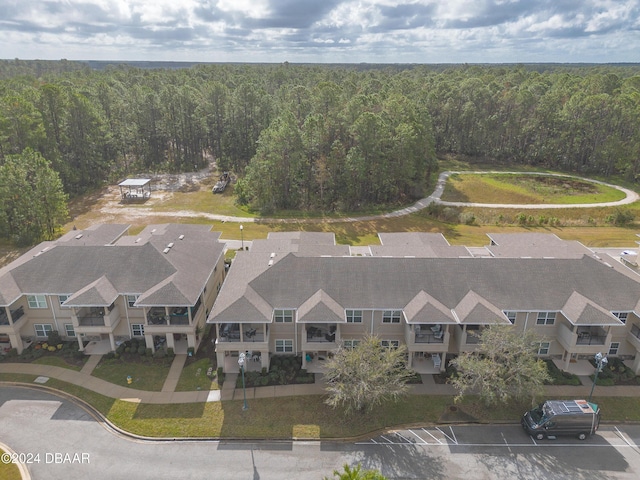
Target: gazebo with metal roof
135 189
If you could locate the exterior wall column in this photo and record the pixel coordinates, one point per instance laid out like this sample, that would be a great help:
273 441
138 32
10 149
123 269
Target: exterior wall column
170 341
16 342
148 340
112 341
636 364
80 342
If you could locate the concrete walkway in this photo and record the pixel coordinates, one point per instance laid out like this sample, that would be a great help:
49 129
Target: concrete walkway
229 392
171 382
91 364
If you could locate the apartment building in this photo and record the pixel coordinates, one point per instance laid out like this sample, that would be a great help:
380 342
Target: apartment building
102 286
301 294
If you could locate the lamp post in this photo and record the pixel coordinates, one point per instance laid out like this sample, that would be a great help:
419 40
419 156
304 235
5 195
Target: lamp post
242 236
241 361
601 361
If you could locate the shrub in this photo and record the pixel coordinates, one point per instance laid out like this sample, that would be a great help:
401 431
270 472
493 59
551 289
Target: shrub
160 353
170 352
127 350
142 350
110 355
467 218
54 338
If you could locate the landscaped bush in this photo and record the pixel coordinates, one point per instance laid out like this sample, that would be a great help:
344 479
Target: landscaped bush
285 369
558 377
615 373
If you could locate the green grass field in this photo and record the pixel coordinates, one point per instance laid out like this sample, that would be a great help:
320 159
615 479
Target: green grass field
145 376
56 362
526 189
194 377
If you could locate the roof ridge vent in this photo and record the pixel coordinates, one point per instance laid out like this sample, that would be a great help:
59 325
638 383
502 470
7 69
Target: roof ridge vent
181 237
270 262
78 237
166 250
170 245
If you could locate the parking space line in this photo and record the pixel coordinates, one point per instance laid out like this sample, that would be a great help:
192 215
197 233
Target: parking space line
429 433
624 439
402 436
453 439
389 441
422 440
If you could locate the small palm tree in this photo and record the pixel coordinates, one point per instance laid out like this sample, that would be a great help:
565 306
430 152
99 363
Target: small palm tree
356 473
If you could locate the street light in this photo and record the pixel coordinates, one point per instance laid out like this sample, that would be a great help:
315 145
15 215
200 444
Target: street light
601 361
241 361
242 236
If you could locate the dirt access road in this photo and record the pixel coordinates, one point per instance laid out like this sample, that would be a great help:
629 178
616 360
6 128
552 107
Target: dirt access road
111 209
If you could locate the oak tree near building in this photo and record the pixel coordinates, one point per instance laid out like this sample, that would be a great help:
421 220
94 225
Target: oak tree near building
366 375
504 367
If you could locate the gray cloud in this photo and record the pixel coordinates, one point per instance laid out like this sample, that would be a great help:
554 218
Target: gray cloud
342 30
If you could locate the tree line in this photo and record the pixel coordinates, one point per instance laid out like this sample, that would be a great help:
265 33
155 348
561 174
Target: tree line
318 137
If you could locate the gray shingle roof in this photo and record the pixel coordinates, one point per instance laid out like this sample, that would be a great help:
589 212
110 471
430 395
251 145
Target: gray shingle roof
520 284
131 265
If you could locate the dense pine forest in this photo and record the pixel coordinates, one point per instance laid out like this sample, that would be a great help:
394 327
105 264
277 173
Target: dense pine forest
323 137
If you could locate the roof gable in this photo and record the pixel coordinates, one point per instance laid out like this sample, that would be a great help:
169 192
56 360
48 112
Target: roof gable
100 293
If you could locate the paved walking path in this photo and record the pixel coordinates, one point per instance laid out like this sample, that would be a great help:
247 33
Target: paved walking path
171 382
229 392
91 364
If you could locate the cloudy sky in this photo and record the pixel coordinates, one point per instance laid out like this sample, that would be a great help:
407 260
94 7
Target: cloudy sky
352 31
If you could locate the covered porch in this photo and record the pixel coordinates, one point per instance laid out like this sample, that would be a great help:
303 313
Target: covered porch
135 190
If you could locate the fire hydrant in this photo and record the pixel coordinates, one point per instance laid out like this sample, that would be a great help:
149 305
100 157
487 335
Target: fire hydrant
129 380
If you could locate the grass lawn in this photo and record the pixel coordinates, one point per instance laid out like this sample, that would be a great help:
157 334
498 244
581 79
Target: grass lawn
56 361
526 189
9 471
194 377
146 375
302 417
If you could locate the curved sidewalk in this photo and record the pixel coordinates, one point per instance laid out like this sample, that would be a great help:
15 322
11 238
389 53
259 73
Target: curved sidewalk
229 392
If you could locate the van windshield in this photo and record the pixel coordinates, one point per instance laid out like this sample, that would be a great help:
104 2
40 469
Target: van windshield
537 414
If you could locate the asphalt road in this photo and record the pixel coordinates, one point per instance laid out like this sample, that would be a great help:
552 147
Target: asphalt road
63 441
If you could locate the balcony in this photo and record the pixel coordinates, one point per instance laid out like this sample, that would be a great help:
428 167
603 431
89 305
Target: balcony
15 315
157 316
231 332
634 336
321 334
180 316
429 334
91 317
591 336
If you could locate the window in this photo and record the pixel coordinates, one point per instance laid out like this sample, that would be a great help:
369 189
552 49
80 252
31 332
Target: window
543 348
131 300
613 348
511 316
68 328
350 343
284 346
62 299
622 316
390 343
37 301
137 329
283 316
546 318
391 316
43 329
354 316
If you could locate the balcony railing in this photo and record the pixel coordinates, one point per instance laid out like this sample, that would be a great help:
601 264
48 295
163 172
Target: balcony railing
91 317
15 315
322 335
429 338
91 321
594 336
